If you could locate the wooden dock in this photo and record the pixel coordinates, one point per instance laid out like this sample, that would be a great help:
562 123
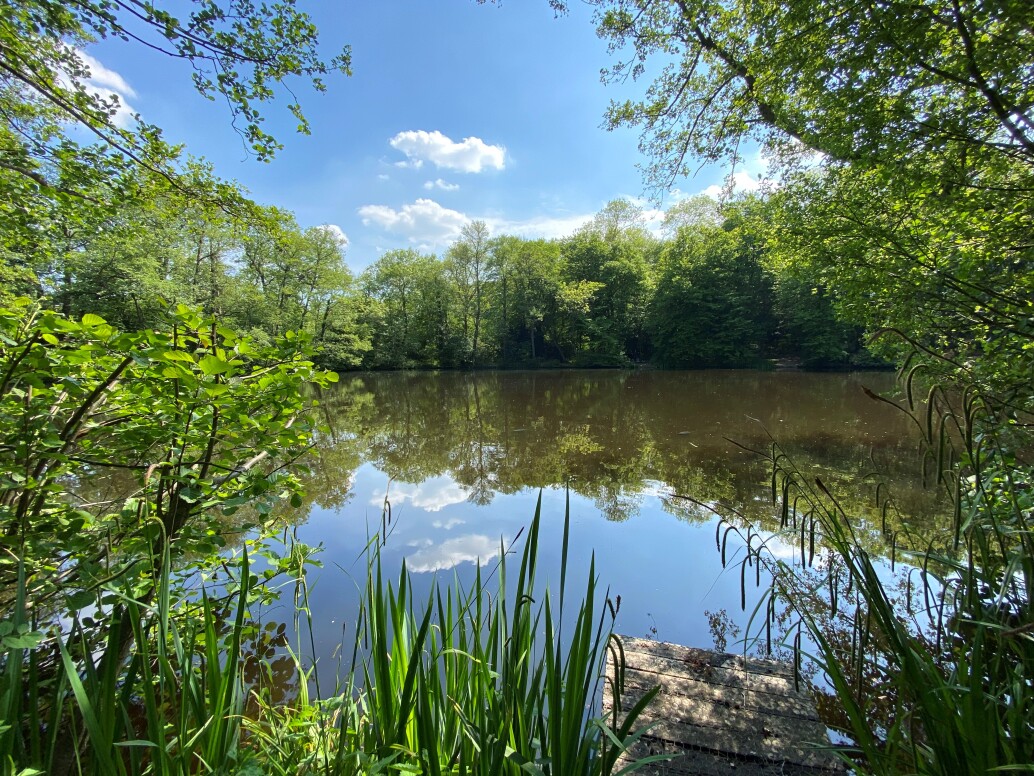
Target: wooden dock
718 714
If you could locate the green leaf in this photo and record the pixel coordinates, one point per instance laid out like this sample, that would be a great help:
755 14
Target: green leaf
28 640
213 365
177 355
79 599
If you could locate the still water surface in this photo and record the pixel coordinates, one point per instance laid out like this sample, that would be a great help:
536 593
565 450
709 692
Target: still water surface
463 458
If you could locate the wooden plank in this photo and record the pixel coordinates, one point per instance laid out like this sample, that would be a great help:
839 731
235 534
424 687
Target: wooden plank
734 717
718 712
774 694
677 651
694 762
726 673
758 744
637 681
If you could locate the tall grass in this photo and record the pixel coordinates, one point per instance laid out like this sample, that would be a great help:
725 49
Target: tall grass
936 677
466 682
495 678
162 694
491 686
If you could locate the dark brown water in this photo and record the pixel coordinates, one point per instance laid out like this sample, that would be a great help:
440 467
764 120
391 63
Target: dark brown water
463 458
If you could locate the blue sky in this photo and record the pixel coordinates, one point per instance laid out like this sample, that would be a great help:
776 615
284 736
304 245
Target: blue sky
455 111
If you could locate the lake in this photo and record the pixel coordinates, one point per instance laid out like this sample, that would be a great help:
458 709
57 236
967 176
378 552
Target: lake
644 456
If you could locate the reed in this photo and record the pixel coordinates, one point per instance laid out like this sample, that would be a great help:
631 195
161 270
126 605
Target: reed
938 677
162 694
464 682
492 678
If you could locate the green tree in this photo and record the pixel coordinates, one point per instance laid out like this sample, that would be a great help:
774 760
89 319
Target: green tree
916 117
161 409
290 279
525 283
613 251
808 327
467 264
240 52
331 304
409 307
150 246
694 212
58 192
713 305
933 87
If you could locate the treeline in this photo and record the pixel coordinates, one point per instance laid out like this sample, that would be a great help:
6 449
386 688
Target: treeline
612 294
196 241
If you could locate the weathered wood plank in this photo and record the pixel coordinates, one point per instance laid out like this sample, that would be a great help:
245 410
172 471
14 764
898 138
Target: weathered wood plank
677 651
734 717
637 681
718 712
727 672
695 762
760 744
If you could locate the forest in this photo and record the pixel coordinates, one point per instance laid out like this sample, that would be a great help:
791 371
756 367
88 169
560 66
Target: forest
613 294
159 325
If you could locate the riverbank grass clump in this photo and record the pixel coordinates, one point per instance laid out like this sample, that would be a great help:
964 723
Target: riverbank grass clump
931 669
496 677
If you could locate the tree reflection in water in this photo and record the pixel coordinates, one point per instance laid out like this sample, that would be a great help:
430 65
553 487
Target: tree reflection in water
461 458
616 437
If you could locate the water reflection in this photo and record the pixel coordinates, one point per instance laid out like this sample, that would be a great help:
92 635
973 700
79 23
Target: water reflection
469 548
617 438
462 460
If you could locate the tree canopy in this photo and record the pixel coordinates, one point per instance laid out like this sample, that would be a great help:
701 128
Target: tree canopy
904 133
238 51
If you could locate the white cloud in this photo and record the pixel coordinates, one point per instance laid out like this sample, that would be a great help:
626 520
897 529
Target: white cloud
337 232
472 548
737 183
472 154
107 85
440 184
536 227
383 177
550 227
422 222
447 525
102 77
415 164
431 495
777 545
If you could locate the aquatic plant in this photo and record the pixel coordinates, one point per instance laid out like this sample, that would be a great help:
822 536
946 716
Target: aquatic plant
932 668
493 678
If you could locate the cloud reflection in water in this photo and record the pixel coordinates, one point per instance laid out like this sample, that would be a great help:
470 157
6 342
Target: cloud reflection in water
470 548
432 495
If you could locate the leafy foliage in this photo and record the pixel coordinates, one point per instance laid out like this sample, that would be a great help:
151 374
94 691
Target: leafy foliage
608 296
239 51
195 413
905 137
714 302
